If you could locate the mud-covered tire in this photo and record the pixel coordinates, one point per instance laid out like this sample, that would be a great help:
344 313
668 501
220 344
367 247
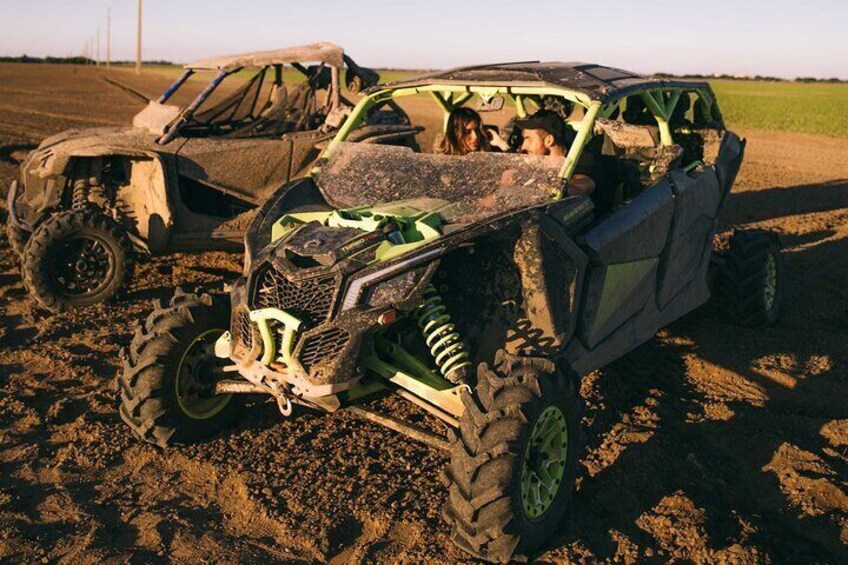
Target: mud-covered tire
149 383
490 516
89 233
752 278
16 237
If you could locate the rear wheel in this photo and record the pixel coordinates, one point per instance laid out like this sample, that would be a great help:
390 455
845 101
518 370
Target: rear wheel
167 385
77 258
514 459
753 278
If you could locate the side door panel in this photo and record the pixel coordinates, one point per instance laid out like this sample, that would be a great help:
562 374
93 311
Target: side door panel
244 168
698 198
624 251
729 160
696 202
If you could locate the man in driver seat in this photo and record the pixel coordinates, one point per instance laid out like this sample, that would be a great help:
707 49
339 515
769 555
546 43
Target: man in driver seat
545 133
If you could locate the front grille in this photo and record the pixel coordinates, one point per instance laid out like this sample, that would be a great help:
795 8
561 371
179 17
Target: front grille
322 346
244 330
309 301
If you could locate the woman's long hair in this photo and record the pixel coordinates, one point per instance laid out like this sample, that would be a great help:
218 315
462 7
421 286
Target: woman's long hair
453 142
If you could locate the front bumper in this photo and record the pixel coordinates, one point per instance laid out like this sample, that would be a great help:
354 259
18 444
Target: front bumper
11 206
324 348
278 371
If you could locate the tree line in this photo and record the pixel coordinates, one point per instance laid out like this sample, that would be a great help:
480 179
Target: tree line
77 60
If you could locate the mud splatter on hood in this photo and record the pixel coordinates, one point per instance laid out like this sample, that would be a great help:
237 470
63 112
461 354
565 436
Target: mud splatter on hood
74 140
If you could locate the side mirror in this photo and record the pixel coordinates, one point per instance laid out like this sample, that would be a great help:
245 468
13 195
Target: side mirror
358 78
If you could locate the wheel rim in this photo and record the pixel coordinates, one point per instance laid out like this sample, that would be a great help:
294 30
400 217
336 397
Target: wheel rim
544 462
771 281
196 378
81 266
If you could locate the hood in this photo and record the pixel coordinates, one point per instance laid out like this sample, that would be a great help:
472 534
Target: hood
52 155
313 242
91 141
317 247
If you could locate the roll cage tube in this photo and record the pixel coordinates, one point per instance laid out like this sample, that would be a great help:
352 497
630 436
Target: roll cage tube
173 88
662 107
186 114
449 97
334 90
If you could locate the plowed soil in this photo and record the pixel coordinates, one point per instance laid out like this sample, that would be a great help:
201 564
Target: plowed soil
708 444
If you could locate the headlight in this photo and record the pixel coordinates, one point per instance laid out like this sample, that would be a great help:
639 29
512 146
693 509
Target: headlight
392 290
380 288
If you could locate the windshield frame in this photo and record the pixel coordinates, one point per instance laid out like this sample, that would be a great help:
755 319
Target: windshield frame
334 97
186 74
186 114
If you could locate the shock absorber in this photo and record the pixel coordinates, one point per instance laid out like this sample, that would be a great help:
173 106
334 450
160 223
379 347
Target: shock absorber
79 194
441 337
81 185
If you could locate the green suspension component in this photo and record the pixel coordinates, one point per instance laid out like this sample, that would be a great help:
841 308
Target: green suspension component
441 336
195 373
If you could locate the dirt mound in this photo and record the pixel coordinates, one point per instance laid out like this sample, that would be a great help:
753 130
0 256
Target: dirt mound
709 444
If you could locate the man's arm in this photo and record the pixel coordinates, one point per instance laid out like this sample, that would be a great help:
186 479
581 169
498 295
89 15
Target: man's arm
580 184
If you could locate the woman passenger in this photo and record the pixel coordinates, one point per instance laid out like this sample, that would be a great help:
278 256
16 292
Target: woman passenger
463 135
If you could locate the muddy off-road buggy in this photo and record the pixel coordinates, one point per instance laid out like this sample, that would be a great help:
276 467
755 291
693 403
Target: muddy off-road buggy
472 286
183 177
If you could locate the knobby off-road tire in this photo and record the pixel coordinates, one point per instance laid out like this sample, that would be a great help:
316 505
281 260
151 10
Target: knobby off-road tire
166 387
77 258
752 281
17 237
497 505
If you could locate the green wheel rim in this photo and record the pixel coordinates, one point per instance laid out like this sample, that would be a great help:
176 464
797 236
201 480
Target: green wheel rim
771 281
544 462
195 380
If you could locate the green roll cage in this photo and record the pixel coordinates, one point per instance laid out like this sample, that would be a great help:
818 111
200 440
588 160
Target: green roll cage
660 101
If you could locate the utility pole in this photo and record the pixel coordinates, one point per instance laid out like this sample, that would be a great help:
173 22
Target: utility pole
98 46
109 37
138 43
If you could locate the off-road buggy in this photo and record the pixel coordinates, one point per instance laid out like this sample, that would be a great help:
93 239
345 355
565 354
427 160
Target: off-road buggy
184 177
472 286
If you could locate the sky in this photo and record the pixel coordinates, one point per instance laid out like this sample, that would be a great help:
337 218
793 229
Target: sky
739 37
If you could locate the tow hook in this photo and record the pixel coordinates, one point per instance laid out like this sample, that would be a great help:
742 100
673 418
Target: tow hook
285 406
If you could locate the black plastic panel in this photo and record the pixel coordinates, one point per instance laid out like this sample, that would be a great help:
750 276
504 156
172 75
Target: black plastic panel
636 231
729 160
624 251
696 201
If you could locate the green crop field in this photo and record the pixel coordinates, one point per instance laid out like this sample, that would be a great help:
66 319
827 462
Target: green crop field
784 106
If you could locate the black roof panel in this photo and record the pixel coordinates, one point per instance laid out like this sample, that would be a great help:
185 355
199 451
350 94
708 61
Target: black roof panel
596 81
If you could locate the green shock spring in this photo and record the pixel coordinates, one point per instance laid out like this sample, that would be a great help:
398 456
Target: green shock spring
441 337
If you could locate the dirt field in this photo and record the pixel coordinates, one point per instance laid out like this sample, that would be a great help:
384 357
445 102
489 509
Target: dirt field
708 444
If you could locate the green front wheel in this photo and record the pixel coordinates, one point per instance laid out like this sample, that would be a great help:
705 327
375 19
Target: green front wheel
514 458
167 386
